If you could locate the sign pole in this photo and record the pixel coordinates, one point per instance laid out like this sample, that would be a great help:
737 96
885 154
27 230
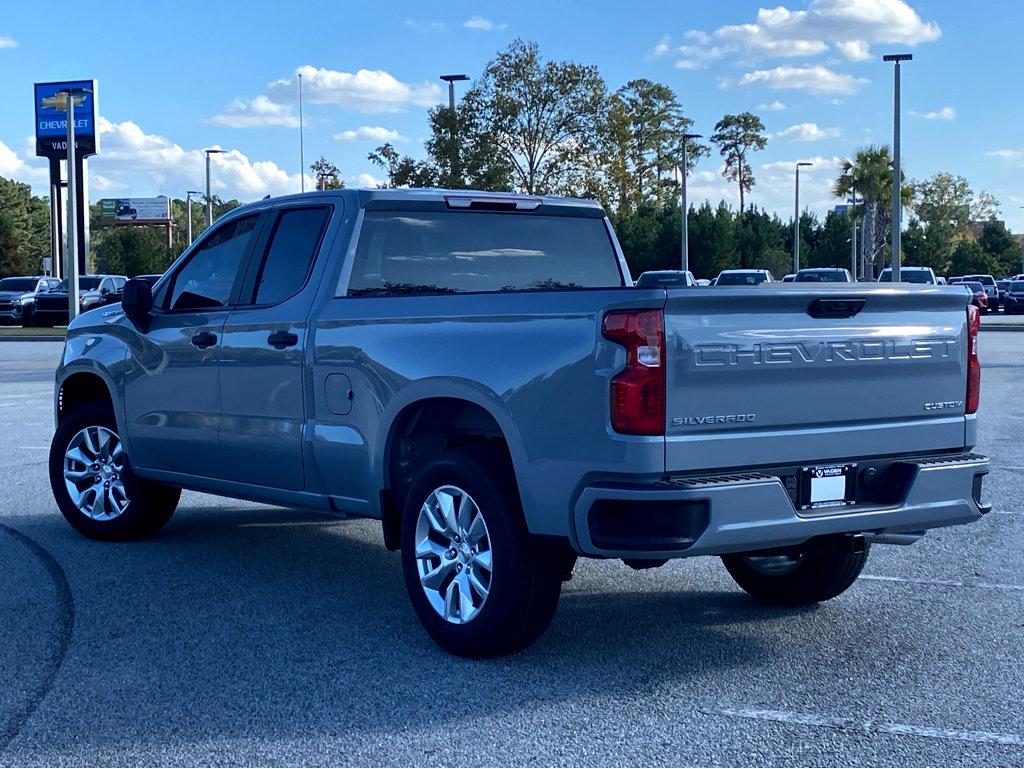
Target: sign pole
56 220
72 250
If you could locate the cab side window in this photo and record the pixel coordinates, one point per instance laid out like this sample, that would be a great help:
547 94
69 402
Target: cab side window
206 279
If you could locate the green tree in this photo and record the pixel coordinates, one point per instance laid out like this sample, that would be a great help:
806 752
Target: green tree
29 220
737 136
869 172
12 260
327 175
132 251
1002 249
832 242
970 258
644 133
542 120
403 170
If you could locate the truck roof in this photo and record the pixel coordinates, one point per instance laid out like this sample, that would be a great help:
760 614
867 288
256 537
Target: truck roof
397 199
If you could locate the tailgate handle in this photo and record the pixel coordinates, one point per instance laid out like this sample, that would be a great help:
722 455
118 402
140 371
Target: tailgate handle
835 308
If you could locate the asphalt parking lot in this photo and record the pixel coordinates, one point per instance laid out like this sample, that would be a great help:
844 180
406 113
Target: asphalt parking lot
247 634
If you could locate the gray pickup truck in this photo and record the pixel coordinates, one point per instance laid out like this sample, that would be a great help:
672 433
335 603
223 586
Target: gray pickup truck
478 372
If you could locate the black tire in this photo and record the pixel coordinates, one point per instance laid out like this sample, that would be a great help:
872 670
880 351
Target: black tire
526 576
150 504
816 577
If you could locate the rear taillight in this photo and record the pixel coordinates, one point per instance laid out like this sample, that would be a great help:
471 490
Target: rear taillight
638 391
973 364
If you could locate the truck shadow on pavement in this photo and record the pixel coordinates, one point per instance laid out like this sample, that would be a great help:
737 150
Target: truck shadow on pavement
260 621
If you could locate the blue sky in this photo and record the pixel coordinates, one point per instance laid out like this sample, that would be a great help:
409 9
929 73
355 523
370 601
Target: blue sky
177 77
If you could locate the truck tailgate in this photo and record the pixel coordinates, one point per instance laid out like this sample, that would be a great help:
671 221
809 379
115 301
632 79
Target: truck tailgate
787 373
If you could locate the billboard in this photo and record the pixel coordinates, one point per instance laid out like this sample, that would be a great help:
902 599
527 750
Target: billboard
135 210
52 119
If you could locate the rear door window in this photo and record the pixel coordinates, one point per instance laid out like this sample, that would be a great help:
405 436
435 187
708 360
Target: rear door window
290 253
414 252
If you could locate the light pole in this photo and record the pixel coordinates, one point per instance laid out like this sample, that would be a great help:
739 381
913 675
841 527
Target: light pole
188 205
897 215
72 248
853 234
451 79
684 209
209 195
796 219
302 149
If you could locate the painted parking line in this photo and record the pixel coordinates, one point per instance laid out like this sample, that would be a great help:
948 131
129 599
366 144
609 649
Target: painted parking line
867 725
941 582
276 524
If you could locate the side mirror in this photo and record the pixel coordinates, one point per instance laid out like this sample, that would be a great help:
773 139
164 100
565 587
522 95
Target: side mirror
137 299
104 290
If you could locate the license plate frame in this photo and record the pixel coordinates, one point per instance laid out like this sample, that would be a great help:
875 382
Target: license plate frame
824 487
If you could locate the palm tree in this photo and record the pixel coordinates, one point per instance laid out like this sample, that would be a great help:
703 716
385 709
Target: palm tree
869 173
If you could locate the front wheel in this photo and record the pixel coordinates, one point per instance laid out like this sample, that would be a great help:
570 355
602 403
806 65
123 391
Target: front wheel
94 485
479 583
796 579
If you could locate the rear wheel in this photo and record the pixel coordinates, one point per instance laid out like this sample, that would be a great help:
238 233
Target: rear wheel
93 483
479 583
795 579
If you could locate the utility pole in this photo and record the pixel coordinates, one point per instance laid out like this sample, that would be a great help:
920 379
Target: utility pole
796 219
1022 240
853 236
209 194
302 149
897 181
188 205
684 208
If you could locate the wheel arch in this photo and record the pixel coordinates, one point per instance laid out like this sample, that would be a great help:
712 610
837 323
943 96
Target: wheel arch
434 414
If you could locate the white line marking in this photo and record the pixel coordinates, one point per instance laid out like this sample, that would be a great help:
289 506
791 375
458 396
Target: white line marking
34 448
867 725
940 582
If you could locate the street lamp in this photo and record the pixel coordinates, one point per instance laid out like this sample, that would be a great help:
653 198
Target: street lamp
72 248
302 148
796 219
451 79
188 205
209 196
897 215
684 209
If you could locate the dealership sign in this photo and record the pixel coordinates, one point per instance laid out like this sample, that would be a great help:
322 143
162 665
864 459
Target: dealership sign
135 210
51 109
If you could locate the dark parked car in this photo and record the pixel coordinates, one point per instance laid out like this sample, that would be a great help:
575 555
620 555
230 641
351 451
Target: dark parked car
1013 301
823 275
666 279
18 296
94 291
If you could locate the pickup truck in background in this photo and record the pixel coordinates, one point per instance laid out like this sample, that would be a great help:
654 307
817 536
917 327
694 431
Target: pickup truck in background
478 372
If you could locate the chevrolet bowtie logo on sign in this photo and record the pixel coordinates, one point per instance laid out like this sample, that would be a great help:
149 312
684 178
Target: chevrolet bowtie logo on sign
811 353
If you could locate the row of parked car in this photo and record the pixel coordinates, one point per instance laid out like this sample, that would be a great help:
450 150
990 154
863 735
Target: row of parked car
41 300
988 293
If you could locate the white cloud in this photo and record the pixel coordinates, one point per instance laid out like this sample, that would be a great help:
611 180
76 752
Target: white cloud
854 50
852 26
153 164
818 163
426 26
944 113
369 133
7 42
662 46
815 79
33 171
806 132
366 90
773 106
478 22
258 112
1008 154
364 180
